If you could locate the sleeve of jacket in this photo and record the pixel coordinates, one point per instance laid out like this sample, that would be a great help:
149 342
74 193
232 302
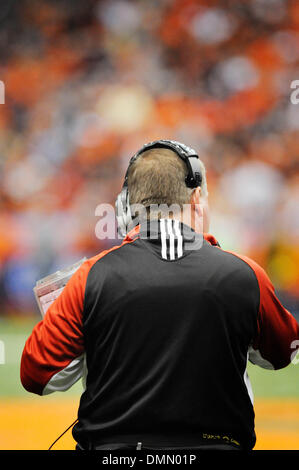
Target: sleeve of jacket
53 355
277 332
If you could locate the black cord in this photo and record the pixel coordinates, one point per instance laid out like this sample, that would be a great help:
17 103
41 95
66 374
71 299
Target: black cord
63 434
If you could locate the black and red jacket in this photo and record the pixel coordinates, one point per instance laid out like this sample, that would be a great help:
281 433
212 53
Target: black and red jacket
161 330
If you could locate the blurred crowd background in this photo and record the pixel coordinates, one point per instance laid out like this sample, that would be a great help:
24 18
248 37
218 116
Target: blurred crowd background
88 82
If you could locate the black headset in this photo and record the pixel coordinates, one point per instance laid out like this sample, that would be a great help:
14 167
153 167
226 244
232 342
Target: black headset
193 179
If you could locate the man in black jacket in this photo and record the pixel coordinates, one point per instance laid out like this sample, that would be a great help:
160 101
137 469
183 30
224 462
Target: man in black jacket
163 325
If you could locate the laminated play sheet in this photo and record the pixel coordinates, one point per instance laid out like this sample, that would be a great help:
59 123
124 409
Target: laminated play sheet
47 289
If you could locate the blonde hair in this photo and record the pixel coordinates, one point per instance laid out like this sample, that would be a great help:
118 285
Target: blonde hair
158 177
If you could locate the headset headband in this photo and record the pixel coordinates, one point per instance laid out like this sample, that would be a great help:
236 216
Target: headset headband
193 178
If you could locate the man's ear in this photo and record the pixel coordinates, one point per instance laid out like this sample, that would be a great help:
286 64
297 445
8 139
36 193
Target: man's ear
196 210
196 196
201 208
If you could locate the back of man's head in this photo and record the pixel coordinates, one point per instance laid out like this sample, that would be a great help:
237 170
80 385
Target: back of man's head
158 177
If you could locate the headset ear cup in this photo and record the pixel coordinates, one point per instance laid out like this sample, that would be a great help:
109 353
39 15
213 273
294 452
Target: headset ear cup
123 213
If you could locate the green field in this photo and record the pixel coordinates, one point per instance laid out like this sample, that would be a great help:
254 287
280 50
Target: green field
13 333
